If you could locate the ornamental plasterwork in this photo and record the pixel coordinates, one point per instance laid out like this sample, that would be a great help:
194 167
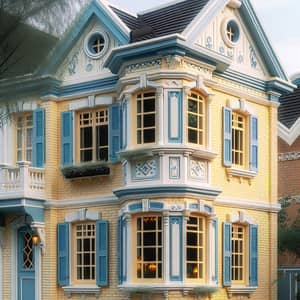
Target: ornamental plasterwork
242 54
146 169
78 64
198 170
199 69
146 65
289 156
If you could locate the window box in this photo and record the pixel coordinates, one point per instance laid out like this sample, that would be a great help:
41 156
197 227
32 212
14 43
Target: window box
86 170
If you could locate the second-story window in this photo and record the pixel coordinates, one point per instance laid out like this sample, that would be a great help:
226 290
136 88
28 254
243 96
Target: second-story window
93 131
24 126
238 257
196 118
238 139
146 112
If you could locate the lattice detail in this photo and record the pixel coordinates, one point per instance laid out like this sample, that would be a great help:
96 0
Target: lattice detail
27 251
146 169
198 170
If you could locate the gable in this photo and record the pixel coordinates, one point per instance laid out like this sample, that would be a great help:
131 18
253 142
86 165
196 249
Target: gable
96 17
242 52
81 63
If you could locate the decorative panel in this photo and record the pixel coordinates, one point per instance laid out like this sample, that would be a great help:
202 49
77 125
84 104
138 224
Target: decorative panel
198 170
146 169
174 167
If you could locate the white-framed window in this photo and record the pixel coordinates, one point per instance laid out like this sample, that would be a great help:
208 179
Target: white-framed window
146 117
149 247
196 118
238 253
195 247
84 255
238 139
93 135
24 131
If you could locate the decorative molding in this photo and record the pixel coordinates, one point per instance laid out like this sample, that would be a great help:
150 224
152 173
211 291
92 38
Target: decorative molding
240 173
147 169
198 169
90 102
295 155
240 217
82 290
234 4
146 65
289 135
248 204
241 105
82 214
241 290
174 167
40 229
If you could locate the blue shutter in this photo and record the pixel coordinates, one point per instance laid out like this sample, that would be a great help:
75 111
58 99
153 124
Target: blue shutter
215 230
253 255
253 143
38 138
67 138
120 250
124 124
63 254
226 254
114 132
102 253
227 136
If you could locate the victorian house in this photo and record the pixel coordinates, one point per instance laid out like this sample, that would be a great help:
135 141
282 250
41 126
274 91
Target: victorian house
139 157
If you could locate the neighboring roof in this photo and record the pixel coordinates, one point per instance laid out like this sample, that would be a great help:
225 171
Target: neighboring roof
169 19
289 109
29 47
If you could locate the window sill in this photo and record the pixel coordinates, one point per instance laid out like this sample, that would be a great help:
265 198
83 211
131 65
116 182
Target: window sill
82 289
241 290
186 288
240 173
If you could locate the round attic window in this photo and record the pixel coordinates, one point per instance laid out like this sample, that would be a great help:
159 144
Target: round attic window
96 44
230 32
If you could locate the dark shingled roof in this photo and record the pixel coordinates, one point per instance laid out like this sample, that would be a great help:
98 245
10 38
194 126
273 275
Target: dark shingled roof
289 109
162 21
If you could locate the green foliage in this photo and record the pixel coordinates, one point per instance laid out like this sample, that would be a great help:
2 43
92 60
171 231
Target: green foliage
288 229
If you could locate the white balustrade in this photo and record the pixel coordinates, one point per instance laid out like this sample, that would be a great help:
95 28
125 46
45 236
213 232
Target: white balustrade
22 180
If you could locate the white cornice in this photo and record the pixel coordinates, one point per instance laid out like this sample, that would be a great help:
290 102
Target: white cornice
289 135
248 204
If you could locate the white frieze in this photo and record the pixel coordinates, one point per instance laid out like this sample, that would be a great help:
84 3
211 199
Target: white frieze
289 156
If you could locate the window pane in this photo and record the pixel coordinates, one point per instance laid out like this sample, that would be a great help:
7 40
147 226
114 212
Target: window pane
149 223
149 238
192 121
86 137
191 254
192 136
86 155
149 105
149 120
191 238
192 106
149 136
149 254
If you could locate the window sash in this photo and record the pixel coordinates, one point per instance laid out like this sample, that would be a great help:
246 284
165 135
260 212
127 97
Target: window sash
93 129
149 247
84 252
238 253
196 119
146 118
238 139
195 248
24 133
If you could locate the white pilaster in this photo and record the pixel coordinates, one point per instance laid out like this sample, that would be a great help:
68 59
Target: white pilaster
166 247
128 257
160 116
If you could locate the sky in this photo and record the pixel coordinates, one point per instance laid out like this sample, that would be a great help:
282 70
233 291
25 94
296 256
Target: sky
280 20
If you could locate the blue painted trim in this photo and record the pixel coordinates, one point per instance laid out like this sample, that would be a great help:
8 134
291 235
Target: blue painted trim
26 276
38 138
136 206
227 253
208 209
120 250
66 136
178 137
62 49
34 208
253 255
177 158
253 147
153 177
115 132
227 136
156 205
169 45
262 43
176 220
63 254
215 228
169 190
